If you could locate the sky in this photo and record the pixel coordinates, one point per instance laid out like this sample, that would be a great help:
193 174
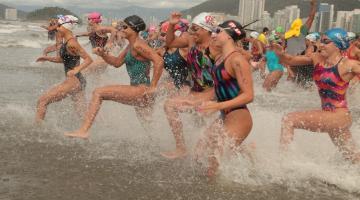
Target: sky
107 3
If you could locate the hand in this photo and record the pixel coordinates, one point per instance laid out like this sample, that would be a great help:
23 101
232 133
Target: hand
108 46
150 91
42 59
99 51
209 107
313 2
72 72
175 18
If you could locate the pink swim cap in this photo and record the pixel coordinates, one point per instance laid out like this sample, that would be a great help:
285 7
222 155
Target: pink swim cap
95 17
152 29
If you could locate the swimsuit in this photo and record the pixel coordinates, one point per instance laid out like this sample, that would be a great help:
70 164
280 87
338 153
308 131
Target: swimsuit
199 67
97 41
273 62
137 70
177 67
332 88
70 62
226 87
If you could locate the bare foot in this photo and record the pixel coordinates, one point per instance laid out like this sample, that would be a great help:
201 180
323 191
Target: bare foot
178 153
78 134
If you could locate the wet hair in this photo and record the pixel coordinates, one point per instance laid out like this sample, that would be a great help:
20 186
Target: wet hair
265 29
136 23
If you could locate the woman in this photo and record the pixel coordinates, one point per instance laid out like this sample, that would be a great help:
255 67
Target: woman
234 90
140 92
175 62
199 64
304 73
70 54
53 35
257 49
98 38
276 70
332 75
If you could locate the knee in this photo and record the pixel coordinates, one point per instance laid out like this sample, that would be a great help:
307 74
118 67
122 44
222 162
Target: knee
168 106
97 93
288 120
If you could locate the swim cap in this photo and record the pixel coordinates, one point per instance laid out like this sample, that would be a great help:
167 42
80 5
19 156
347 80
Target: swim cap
351 36
274 38
254 35
313 37
339 37
234 29
136 23
68 21
95 17
152 29
279 29
206 21
295 29
182 26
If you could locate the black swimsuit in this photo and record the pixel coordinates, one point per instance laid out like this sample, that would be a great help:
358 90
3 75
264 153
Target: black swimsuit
70 62
177 67
97 41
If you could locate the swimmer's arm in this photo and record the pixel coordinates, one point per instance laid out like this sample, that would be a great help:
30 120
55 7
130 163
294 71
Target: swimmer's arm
243 75
176 42
110 59
75 48
82 34
112 31
312 14
355 67
295 60
56 59
158 63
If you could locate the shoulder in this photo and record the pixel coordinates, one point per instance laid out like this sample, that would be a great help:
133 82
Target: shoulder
237 59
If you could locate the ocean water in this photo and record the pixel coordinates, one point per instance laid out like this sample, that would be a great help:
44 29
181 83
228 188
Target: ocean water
121 160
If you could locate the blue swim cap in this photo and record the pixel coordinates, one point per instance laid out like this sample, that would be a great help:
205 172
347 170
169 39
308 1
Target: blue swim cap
339 37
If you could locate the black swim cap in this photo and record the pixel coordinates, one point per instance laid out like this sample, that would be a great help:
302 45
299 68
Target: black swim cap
234 29
136 23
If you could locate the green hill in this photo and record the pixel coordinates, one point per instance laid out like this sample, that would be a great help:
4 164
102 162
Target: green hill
231 6
47 13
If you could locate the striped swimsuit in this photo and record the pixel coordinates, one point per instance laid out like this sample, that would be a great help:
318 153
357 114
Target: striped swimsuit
226 87
332 88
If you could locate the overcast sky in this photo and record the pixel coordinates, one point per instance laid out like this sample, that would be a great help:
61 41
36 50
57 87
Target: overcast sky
107 3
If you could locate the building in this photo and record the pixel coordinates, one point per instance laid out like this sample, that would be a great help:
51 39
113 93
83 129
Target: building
10 14
250 10
325 17
286 16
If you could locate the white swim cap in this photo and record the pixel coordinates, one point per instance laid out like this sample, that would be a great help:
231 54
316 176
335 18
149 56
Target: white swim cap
205 21
351 36
68 21
254 35
313 37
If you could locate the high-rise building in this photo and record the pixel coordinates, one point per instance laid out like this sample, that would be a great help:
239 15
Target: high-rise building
250 10
11 14
325 17
354 23
286 16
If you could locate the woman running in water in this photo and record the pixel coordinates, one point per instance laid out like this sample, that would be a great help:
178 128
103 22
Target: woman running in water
53 34
276 70
140 93
233 90
304 73
332 75
98 38
257 49
175 61
199 64
74 84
